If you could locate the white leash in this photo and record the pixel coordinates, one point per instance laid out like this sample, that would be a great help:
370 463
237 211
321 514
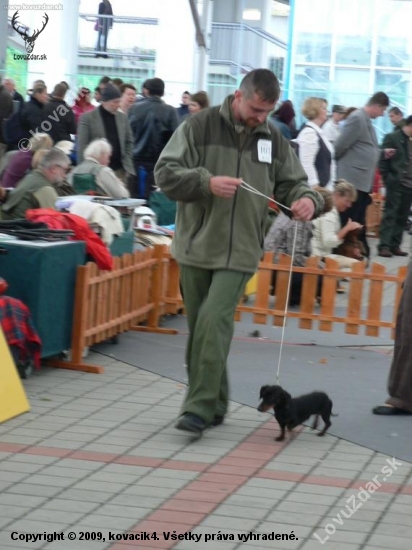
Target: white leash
251 189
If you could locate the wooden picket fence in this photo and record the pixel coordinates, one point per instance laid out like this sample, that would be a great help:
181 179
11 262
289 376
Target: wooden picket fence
144 286
364 298
133 296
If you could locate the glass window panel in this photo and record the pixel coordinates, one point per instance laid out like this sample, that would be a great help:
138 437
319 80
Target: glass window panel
353 50
313 48
351 86
309 81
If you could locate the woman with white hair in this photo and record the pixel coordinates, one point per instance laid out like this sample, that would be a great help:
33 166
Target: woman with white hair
96 165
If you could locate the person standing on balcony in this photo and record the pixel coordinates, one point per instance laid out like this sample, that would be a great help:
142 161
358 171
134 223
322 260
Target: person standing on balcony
104 25
220 227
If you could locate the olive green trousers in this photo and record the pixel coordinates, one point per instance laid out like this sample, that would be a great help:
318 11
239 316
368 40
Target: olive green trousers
210 298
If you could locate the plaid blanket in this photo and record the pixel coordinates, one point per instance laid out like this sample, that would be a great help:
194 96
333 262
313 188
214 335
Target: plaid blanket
18 329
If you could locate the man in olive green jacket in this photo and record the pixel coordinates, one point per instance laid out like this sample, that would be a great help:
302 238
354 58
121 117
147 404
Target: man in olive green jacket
36 189
396 173
220 226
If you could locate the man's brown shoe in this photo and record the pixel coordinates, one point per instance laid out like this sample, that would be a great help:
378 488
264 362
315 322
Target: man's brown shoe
399 252
385 253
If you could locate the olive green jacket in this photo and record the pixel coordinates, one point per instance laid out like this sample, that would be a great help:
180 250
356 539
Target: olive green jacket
33 191
213 232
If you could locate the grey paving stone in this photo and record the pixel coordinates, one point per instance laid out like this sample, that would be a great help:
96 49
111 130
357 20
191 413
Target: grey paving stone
50 481
62 505
152 503
20 500
11 512
290 518
12 476
310 498
302 508
394 530
226 523
119 523
100 486
112 477
395 519
28 489
61 443
246 512
260 493
132 512
54 516
150 491
84 495
60 471
22 467
163 482
389 542
251 501
270 483
331 472
318 489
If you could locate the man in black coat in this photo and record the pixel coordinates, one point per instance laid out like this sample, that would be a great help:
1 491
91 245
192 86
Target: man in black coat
152 122
32 114
59 120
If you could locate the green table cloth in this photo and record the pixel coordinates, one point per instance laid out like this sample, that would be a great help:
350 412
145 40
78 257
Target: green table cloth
43 276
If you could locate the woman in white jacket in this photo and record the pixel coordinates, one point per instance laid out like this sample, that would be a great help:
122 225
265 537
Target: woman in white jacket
327 231
316 153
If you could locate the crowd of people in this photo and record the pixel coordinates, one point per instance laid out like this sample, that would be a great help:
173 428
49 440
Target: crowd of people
115 137
200 157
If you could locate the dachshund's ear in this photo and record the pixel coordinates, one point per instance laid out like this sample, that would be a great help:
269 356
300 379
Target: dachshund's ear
284 397
263 390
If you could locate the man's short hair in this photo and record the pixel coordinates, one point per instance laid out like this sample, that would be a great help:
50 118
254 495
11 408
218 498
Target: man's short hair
105 80
39 88
59 90
155 86
262 82
380 98
408 120
54 157
395 111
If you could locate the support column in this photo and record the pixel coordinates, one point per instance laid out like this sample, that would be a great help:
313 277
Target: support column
203 53
176 49
3 36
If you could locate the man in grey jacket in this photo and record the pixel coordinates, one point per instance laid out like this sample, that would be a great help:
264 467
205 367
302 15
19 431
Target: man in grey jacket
357 153
107 122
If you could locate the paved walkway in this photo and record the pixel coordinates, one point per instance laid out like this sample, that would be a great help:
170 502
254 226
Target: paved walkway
98 455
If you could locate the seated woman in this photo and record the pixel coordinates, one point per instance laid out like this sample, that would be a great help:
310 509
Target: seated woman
96 164
327 231
315 151
280 239
21 162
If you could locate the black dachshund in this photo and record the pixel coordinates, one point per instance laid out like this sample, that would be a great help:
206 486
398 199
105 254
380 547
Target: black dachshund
290 412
